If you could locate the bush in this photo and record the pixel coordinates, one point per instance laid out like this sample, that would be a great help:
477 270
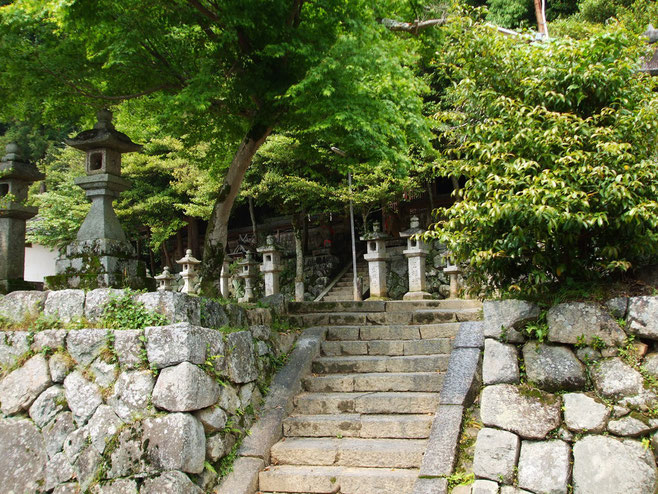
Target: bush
557 142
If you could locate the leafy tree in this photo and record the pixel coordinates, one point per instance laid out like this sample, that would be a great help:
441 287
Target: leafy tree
557 142
511 13
224 73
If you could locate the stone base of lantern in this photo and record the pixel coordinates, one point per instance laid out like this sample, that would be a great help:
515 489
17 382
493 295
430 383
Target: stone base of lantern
417 296
102 263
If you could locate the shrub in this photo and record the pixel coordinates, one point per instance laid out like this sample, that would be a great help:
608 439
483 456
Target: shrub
557 141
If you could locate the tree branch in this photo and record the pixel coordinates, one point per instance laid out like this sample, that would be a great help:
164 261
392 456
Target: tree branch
412 27
204 10
295 13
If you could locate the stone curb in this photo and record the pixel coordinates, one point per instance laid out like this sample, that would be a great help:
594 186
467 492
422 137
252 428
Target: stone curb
254 454
459 388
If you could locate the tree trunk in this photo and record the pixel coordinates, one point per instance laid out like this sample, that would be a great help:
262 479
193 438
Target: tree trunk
193 235
217 233
252 215
299 246
305 231
539 15
180 250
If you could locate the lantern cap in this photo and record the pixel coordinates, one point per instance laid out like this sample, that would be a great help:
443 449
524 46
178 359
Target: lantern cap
103 135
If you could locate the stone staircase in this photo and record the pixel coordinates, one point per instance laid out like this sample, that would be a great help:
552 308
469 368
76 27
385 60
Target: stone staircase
343 289
361 423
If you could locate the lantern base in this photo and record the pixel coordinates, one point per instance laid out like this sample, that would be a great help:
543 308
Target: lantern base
417 296
102 263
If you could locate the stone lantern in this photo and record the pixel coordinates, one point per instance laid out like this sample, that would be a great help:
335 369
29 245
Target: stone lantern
165 280
271 266
416 253
377 257
224 277
16 175
453 271
101 256
189 272
248 273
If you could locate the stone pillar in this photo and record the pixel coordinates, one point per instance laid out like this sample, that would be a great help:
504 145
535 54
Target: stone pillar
453 271
271 266
416 253
16 175
224 278
299 291
248 273
377 257
101 256
189 272
165 280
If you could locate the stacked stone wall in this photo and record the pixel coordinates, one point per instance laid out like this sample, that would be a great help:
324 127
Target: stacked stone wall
575 412
153 410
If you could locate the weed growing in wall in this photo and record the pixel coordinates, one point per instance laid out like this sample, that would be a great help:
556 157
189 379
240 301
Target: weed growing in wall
123 312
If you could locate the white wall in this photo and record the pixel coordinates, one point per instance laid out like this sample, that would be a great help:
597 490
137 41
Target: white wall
39 262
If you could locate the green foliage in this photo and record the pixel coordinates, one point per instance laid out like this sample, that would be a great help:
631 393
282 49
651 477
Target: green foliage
511 13
123 312
557 143
537 330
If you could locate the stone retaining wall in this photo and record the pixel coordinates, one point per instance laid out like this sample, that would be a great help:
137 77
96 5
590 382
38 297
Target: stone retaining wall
127 411
577 412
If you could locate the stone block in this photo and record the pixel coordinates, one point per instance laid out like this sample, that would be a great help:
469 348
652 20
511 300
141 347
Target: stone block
59 365
128 457
184 388
175 442
544 466
212 314
431 486
84 345
213 419
48 405
496 453
132 393
602 464
49 338
501 363
177 307
56 432
129 348
119 486
240 361
65 305
531 413
83 397
20 388
642 317
583 413
96 300
574 322
461 379
630 426
503 318
244 477
102 426
13 344
441 453
176 343
20 305
173 482
553 368
481 486
615 379
260 331
22 457
470 335
58 471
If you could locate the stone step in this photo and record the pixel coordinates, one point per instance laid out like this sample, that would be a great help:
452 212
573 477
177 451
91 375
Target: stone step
424 316
373 402
385 381
355 425
371 363
387 347
350 452
383 305
332 479
393 332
